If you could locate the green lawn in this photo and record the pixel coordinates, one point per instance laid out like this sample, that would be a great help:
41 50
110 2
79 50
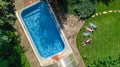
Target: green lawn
25 61
105 40
113 5
23 57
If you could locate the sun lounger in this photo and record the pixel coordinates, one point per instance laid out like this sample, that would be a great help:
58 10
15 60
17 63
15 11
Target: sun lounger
88 29
86 34
86 42
93 26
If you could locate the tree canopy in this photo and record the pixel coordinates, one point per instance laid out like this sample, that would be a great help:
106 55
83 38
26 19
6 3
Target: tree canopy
10 56
85 8
80 8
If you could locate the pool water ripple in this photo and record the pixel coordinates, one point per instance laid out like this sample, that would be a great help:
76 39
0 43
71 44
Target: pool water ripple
42 28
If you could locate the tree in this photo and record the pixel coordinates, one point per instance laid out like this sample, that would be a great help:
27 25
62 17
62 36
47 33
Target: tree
6 17
3 7
106 62
10 56
85 8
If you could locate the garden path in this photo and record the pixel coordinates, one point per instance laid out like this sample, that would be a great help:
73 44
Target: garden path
106 12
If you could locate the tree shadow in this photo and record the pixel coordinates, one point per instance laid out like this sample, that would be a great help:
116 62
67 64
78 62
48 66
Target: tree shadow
60 9
106 2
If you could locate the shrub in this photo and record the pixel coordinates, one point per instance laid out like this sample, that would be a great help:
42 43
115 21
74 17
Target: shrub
85 8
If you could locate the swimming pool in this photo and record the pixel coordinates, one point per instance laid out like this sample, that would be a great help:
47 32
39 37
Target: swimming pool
42 29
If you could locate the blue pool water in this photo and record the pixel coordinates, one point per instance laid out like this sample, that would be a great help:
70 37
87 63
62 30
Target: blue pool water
41 25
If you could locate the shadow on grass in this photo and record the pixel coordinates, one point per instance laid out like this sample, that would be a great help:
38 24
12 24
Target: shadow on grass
60 9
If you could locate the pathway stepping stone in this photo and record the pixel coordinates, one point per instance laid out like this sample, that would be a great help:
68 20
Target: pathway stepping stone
118 11
93 15
105 12
96 14
110 11
100 13
115 10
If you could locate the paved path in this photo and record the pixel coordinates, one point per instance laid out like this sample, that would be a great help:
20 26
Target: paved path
106 12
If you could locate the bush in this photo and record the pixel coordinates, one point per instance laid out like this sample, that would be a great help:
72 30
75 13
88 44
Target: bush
10 56
81 8
106 62
85 8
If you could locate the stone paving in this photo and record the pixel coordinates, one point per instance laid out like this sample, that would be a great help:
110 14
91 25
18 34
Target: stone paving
106 12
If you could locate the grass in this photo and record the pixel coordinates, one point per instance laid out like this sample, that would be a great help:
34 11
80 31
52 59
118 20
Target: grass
23 57
25 60
105 40
113 5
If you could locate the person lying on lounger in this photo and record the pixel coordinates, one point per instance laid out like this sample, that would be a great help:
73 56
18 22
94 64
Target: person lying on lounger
86 42
93 26
86 34
88 29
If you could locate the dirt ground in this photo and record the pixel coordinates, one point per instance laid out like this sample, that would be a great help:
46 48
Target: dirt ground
70 27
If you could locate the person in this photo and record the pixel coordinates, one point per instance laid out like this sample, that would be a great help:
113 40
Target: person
88 29
86 42
93 26
86 34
